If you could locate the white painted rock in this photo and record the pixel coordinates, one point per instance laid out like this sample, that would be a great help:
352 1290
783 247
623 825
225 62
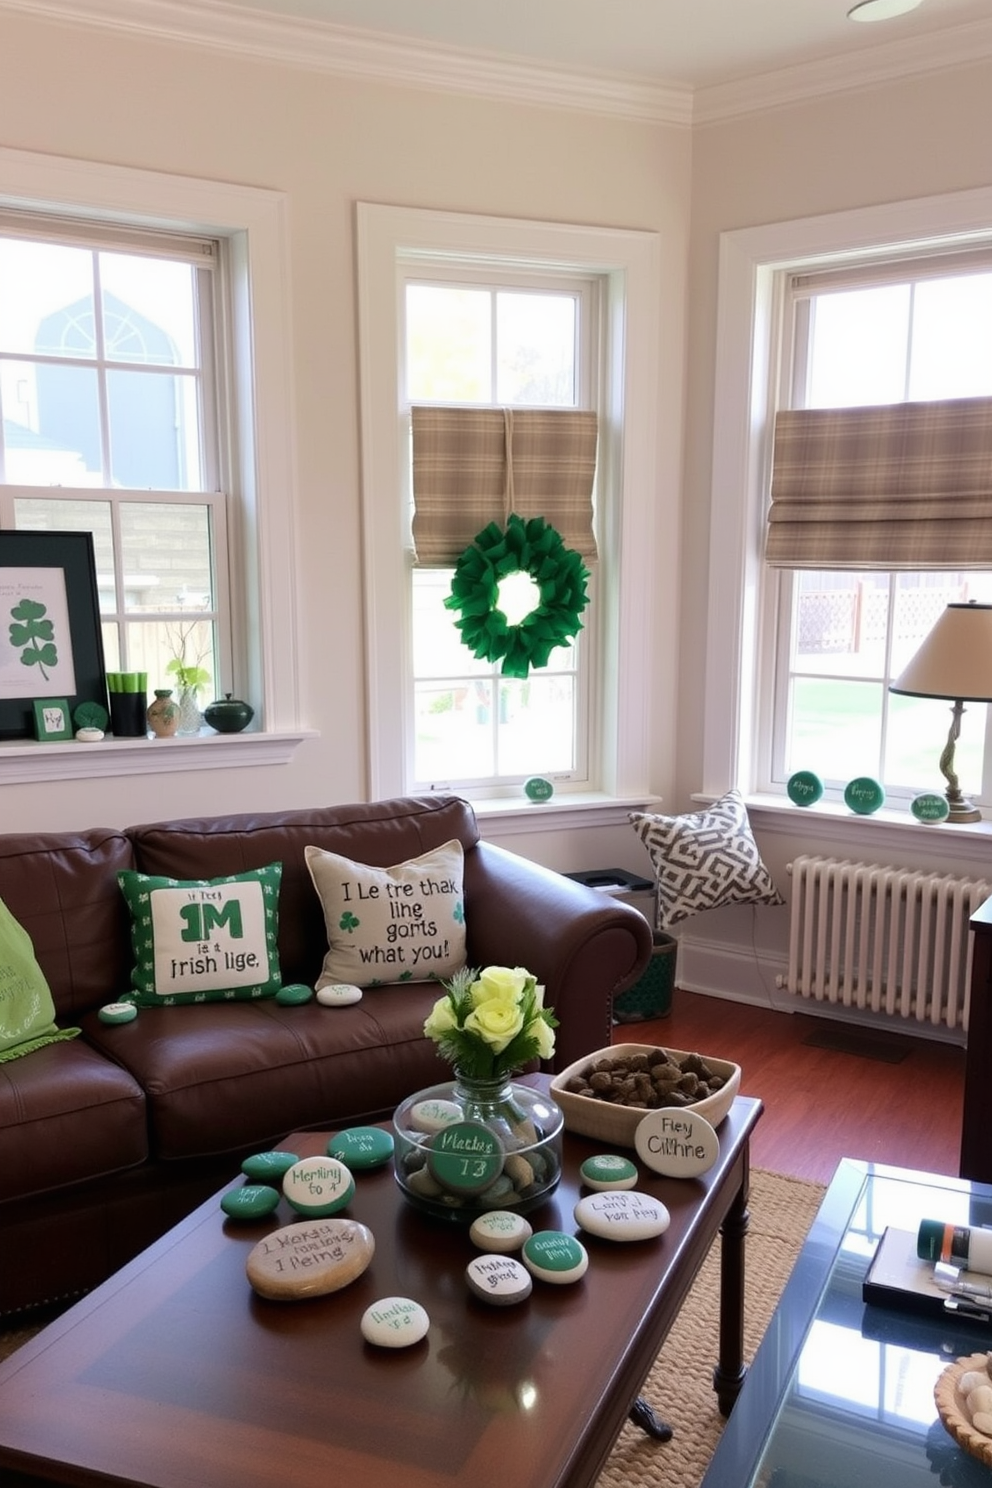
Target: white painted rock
678 1143
626 1215
434 1115
608 1171
309 1260
500 1230
318 1186
498 1279
394 1322
554 1256
338 994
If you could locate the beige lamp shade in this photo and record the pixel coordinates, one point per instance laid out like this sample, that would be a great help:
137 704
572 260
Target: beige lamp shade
955 660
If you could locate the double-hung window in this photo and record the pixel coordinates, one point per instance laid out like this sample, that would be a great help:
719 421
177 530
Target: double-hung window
111 422
496 339
912 332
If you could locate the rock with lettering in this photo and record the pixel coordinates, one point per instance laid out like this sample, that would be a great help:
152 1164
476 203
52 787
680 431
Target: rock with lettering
500 1231
317 1186
250 1201
310 1260
465 1158
553 1256
268 1167
624 1215
433 1115
394 1322
608 1171
498 1280
339 994
361 1147
678 1143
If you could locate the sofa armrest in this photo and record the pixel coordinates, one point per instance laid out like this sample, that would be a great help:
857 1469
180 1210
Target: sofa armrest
585 946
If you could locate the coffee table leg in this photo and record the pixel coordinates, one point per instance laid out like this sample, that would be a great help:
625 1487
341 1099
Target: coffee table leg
728 1376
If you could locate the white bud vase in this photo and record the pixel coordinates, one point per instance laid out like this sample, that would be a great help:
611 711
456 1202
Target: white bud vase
190 717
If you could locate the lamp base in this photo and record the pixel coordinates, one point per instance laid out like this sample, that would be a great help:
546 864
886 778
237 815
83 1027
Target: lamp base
961 809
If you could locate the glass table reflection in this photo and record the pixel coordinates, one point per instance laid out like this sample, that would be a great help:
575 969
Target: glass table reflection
840 1394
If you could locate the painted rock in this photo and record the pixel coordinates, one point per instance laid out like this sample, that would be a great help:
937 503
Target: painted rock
268 1167
432 1116
394 1322
338 994
622 1216
608 1171
361 1147
499 1280
318 1185
680 1144
250 1202
465 1158
309 1260
864 795
500 1231
118 1012
804 788
553 1256
293 994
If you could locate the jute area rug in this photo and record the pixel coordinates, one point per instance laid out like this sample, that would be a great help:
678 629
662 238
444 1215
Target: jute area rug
680 1383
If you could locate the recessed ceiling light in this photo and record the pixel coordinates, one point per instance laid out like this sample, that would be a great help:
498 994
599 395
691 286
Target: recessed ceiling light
881 10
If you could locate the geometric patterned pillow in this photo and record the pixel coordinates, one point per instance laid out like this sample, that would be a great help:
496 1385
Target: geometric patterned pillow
704 859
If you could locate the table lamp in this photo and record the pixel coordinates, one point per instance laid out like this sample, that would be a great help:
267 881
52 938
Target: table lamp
954 662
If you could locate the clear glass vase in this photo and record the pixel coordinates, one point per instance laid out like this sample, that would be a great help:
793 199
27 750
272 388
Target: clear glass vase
190 717
466 1146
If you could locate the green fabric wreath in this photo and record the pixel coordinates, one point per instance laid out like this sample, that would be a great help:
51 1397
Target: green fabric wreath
535 548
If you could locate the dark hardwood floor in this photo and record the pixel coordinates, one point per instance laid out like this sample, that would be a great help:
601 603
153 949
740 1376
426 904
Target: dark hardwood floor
822 1104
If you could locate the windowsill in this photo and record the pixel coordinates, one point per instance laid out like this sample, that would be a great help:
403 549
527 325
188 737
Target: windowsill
515 815
28 761
887 830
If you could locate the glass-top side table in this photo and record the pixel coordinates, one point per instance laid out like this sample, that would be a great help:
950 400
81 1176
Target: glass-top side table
840 1394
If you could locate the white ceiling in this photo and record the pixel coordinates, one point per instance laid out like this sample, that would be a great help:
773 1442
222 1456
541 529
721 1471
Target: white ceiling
693 43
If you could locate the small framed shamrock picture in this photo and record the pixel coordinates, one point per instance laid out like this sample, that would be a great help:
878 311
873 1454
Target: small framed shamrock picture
52 719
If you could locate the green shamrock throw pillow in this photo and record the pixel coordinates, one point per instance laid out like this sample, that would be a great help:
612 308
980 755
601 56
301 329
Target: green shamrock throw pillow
204 940
399 924
27 1012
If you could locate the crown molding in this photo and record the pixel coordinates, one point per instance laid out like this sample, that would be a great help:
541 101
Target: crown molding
847 73
349 52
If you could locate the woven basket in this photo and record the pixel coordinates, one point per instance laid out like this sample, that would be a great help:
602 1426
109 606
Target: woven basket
651 994
588 1117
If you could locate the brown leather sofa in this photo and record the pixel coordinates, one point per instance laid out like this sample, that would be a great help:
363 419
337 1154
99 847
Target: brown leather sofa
108 1139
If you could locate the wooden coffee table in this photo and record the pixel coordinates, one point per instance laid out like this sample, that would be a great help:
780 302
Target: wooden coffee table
174 1374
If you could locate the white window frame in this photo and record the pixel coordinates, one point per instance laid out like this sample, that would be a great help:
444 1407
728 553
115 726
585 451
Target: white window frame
262 525
629 266
587 294
741 604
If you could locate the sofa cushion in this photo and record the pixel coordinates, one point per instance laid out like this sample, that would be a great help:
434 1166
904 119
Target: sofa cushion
27 1012
399 924
62 888
248 1073
377 832
204 940
67 1115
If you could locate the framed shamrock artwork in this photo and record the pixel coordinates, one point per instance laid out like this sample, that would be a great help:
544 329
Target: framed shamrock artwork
50 641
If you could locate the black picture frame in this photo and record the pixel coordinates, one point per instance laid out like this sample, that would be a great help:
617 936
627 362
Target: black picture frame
73 554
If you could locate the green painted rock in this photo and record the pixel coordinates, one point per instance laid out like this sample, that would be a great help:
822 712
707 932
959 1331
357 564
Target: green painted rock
293 994
361 1147
318 1186
553 1256
250 1202
268 1167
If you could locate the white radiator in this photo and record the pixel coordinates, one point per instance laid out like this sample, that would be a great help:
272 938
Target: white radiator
888 940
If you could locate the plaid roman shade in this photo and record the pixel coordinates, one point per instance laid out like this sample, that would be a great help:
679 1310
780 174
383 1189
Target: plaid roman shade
900 486
473 466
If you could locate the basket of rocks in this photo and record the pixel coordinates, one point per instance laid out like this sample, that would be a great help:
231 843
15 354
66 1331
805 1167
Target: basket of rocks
963 1395
607 1094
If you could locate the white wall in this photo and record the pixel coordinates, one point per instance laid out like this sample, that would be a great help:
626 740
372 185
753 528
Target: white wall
904 141
326 142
